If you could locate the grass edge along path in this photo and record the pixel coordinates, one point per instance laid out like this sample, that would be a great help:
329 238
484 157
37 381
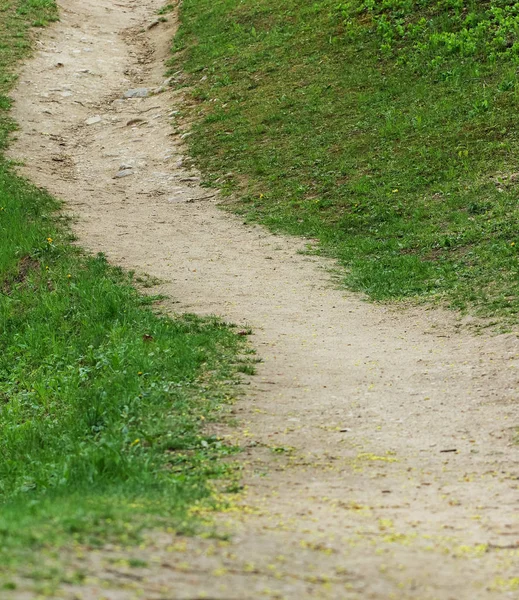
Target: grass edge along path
102 402
384 130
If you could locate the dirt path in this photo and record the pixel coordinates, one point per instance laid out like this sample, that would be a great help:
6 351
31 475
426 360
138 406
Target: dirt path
380 460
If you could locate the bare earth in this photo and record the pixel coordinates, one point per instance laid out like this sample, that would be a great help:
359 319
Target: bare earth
380 460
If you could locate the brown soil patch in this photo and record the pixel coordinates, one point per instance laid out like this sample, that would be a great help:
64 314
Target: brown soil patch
25 266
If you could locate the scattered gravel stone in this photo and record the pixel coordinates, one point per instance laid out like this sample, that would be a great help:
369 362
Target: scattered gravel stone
123 173
166 84
93 120
137 93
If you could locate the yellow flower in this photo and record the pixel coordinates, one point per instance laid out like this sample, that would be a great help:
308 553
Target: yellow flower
50 240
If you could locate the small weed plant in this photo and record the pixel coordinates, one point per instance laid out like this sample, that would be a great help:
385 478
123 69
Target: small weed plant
431 32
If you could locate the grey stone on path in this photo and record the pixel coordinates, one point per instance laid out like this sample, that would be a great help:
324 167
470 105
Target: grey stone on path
123 173
93 120
136 93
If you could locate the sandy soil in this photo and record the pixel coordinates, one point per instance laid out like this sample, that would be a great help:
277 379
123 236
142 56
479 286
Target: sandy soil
379 457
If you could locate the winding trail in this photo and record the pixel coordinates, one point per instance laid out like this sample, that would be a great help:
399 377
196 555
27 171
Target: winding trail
380 461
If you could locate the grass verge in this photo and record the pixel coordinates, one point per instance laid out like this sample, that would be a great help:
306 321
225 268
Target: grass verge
384 130
102 402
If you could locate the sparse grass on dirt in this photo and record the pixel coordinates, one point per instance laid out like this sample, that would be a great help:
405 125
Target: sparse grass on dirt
102 403
387 130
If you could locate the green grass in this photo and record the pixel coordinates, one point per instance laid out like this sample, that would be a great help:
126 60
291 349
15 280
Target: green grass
102 402
348 123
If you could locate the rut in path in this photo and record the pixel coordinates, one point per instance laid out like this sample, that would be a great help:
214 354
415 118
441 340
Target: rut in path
394 473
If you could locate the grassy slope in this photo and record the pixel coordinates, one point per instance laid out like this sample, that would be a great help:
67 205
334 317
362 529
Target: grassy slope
400 170
101 401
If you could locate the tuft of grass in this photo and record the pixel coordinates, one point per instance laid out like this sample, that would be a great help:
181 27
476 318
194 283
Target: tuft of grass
342 122
102 402
166 9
